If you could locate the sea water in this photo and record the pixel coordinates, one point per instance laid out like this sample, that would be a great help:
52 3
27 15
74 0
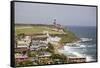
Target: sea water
88 46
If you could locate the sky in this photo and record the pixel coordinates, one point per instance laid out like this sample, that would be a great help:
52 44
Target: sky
36 13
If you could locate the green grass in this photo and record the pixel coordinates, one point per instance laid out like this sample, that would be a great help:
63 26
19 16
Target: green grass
68 37
34 29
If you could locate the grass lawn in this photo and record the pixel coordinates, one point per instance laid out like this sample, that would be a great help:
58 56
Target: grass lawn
34 29
68 37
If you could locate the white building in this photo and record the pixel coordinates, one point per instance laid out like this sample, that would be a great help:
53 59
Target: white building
53 39
36 45
22 43
45 54
27 39
25 42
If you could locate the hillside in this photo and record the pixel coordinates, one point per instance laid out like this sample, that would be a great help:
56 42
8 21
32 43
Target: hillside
66 36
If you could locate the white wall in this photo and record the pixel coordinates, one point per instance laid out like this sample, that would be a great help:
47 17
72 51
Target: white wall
5 34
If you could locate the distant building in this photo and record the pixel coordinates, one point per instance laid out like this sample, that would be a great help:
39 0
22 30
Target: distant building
45 54
40 38
76 59
21 50
27 39
53 39
54 22
20 57
39 42
38 46
21 43
44 58
57 27
21 54
24 42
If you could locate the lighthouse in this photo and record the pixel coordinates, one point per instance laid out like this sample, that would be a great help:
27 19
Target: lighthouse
54 21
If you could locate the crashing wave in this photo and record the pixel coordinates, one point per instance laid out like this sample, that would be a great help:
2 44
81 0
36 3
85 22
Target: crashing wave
69 51
82 45
86 39
89 59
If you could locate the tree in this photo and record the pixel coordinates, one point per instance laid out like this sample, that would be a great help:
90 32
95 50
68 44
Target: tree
62 58
50 48
21 35
32 54
25 63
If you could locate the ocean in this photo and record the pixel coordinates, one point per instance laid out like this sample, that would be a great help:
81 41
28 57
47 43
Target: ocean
88 46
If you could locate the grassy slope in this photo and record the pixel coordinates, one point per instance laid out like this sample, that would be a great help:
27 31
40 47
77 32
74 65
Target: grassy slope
68 37
34 29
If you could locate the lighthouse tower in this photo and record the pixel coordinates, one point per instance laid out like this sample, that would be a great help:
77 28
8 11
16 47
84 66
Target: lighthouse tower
54 22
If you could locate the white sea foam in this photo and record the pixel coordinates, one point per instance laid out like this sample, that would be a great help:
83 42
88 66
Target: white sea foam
78 48
83 46
86 39
77 54
68 49
77 45
89 59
